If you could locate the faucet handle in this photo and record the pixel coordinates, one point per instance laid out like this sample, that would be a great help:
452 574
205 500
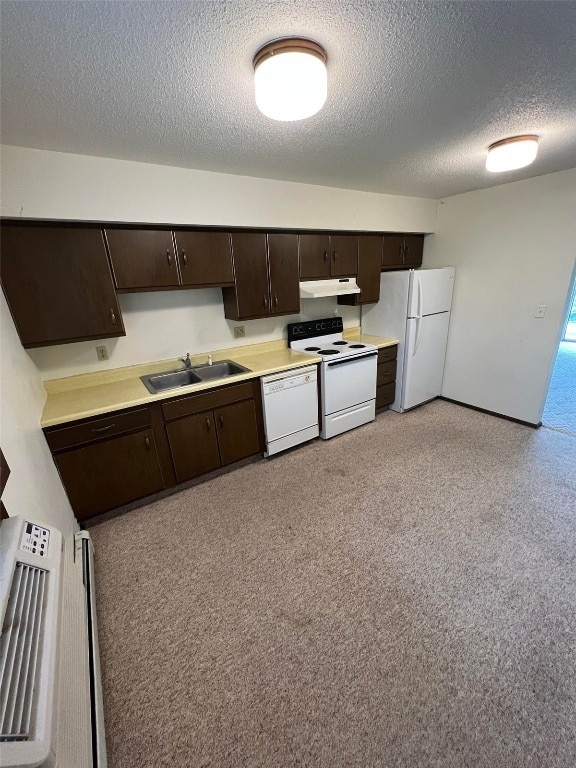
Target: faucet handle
209 359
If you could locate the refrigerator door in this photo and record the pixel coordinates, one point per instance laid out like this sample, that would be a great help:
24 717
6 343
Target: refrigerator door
430 291
424 356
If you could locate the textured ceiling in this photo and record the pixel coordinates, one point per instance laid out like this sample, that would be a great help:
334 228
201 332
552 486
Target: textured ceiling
417 90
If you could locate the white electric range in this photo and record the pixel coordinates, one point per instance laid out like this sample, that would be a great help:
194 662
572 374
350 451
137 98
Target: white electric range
347 373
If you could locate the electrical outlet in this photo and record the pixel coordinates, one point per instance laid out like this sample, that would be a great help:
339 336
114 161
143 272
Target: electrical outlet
540 310
239 331
102 353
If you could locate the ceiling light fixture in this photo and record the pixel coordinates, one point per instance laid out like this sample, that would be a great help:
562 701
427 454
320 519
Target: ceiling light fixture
512 153
290 78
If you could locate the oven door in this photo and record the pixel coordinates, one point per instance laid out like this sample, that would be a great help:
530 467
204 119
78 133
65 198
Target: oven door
348 382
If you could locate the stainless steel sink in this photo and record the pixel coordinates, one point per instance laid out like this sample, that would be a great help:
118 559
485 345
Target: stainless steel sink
220 370
159 382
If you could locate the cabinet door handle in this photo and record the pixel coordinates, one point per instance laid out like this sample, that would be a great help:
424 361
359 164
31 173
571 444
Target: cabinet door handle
147 443
325 255
275 300
112 316
103 429
208 424
169 257
334 256
221 420
184 258
265 303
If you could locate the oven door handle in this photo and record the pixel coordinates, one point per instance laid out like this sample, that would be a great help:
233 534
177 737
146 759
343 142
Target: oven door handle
353 359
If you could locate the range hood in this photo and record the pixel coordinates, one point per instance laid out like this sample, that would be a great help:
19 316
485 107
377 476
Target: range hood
337 286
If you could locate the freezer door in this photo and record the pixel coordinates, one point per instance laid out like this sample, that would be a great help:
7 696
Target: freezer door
424 357
430 291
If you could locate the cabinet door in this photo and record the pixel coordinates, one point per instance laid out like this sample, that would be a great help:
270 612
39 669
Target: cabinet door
314 257
392 252
237 431
205 258
58 285
413 249
369 265
344 255
105 475
283 266
142 259
250 296
193 445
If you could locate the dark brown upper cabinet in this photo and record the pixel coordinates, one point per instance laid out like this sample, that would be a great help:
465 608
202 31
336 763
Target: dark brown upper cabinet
142 259
402 251
149 260
266 276
324 256
58 285
283 269
204 258
314 257
368 277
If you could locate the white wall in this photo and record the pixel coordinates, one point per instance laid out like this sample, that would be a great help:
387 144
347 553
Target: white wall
514 247
53 185
33 488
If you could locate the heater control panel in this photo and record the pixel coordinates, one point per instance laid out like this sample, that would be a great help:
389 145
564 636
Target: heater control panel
35 539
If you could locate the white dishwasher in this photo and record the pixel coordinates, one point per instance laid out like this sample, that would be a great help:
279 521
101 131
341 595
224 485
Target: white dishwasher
290 403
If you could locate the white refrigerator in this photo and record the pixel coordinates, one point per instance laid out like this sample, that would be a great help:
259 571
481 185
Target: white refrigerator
414 307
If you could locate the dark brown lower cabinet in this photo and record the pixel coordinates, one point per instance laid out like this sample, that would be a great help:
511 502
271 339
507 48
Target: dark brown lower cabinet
194 445
237 431
109 473
201 442
386 376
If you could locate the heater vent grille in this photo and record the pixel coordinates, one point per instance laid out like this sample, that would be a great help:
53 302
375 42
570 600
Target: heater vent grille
20 649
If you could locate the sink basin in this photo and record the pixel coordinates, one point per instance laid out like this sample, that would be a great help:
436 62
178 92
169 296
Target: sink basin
159 382
220 370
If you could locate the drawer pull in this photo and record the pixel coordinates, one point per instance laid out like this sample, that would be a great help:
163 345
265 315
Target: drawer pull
184 258
208 425
147 443
107 428
275 300
169 258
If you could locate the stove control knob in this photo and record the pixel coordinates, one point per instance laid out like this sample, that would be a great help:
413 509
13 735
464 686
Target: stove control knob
323 326
300 329
318 326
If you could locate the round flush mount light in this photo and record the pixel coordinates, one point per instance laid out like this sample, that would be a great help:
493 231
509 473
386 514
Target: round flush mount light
512 153
290 78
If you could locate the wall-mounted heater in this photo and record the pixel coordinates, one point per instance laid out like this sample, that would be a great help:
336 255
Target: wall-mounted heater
50 694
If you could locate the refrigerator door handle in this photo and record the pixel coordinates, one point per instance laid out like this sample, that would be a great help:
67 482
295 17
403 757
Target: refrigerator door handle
420 297
417 336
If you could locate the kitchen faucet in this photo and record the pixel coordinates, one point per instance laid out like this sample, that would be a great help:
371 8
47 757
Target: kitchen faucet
186 360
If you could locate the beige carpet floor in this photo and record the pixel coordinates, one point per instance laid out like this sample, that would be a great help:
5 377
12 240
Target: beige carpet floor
403 595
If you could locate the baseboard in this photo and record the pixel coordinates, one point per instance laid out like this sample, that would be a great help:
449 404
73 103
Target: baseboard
491 413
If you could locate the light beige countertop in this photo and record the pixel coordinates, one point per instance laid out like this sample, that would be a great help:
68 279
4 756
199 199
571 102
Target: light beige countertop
93 394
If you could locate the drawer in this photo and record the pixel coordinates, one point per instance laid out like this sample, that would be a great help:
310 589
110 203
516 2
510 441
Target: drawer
96 429
207 401
387 353
386 373
385 395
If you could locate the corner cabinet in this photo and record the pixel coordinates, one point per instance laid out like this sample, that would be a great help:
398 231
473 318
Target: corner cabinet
58 285
402 251
152 260
265 276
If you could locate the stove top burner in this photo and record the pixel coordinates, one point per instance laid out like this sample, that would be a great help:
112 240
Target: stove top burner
311 349
329 351
340 343
357 346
